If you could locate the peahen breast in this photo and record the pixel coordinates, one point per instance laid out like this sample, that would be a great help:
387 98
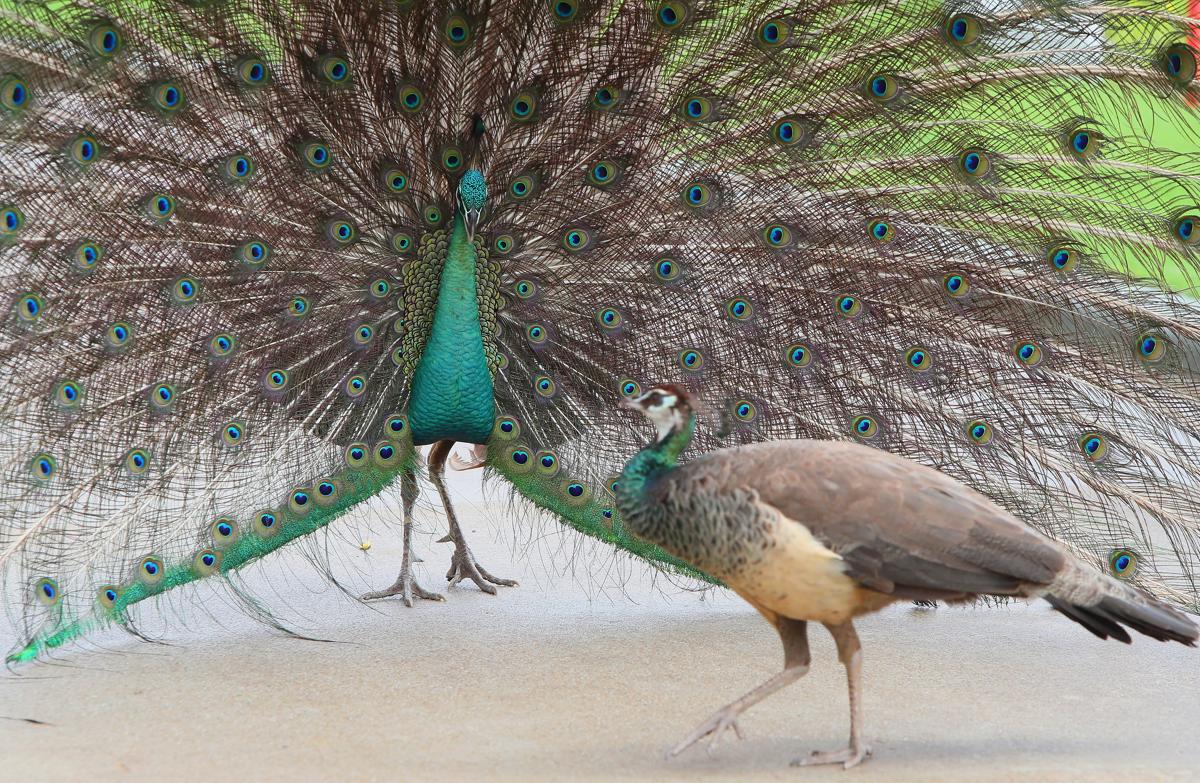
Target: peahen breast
451 396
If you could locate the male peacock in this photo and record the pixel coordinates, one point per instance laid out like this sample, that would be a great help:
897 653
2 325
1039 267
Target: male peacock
255 252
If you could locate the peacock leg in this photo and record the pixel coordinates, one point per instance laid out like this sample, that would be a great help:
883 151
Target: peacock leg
796 658
406 587
462 562
850 654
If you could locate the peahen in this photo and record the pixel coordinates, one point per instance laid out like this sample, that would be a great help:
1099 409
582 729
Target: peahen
812 531
254 253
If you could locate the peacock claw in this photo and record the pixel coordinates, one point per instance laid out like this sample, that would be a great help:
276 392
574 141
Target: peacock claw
464 566
716 725
848 757
407 588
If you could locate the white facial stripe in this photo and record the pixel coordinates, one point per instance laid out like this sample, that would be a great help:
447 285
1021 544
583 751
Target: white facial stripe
664 416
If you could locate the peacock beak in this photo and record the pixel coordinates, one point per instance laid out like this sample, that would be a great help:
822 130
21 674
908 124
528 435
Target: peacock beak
472 221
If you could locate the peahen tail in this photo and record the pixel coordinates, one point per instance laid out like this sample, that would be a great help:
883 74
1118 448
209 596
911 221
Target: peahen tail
966 232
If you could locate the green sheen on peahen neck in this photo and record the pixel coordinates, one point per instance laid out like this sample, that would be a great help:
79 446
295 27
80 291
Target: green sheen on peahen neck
641 472
452 396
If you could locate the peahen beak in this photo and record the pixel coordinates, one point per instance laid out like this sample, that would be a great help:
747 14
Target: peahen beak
471 217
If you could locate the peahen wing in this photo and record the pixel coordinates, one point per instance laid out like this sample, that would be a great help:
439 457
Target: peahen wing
966 233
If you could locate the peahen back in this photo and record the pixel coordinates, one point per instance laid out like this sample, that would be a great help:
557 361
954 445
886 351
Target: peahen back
965 232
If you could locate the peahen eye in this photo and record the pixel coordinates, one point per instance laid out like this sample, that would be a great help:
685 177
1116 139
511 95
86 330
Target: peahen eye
105 40
410 98
1093 446
979 431
963 29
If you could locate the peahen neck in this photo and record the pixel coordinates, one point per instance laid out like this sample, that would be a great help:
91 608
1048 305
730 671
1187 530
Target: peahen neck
451 396
640 514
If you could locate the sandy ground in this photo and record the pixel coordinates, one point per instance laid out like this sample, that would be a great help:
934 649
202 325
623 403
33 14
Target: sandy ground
559 679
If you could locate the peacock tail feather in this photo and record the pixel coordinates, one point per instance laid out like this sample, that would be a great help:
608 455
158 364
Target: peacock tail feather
964 232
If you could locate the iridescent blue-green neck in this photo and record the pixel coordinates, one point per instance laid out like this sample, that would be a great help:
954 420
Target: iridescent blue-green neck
451 396
645 468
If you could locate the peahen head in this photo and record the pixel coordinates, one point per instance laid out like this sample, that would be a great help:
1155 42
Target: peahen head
668 407
472 195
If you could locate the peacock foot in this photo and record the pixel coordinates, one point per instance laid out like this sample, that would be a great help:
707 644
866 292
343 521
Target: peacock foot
464 566
407 588
848 757
717 724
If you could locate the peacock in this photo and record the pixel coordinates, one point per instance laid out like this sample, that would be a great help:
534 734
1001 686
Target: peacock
254 255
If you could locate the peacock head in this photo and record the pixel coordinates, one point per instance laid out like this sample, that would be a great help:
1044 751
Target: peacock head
668 407
472 196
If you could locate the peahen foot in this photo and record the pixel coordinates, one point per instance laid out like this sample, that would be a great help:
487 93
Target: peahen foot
406 587
848 757
716 725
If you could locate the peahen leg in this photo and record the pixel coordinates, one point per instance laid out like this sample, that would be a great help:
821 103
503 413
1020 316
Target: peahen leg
796 658
850 654
406 587
462 563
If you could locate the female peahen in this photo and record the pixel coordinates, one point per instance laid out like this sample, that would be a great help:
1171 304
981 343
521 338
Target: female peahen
810 531
255 252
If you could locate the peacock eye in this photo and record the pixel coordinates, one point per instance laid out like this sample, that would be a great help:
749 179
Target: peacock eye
698 195
691 360
1093 446
666 269
536 334
341 232
865 427
1028 353
394 181
848 306
83 150
604 174
105 40
1123 563
544 385
253 72
232 433
882 88
433 216
503 244
745 411
974 164
739 310
564 10
316 156
629 388
606 97
334 70
1187 230
167 97
956 285
160 207
401 242
777 235
918 359
410 98
458 31
276 380
963 29
1179 63
1063 258
576 240
355 386
609 318
798 355
524 106
791 131
1151 347
671 14
979 431
43 467
86 255
253 254
773 33
14 93
698 108
881 230
356 455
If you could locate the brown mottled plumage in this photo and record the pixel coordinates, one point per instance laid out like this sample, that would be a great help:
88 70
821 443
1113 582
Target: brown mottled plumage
813 531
